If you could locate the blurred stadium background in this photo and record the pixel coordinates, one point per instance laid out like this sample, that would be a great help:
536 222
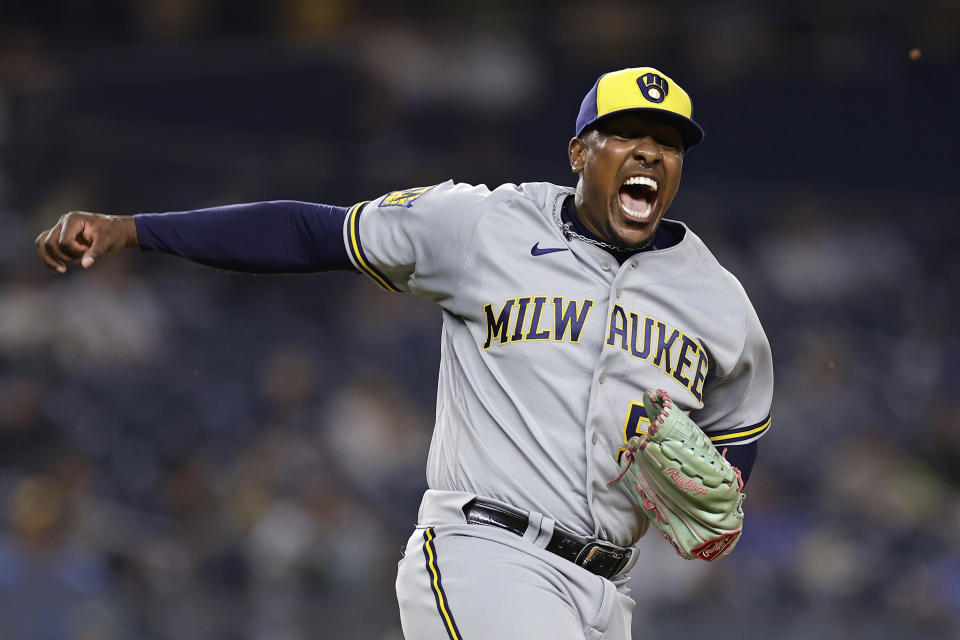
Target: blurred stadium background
187 453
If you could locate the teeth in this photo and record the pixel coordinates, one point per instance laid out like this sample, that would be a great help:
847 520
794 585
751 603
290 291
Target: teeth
650 182
642 215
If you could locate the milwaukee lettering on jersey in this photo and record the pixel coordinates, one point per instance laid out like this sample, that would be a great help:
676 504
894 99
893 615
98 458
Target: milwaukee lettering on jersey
670 349
525 346
532 318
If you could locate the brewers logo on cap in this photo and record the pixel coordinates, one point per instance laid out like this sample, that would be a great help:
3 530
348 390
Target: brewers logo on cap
653 86
640 89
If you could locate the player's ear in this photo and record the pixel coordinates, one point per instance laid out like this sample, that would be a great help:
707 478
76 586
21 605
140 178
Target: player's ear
576 151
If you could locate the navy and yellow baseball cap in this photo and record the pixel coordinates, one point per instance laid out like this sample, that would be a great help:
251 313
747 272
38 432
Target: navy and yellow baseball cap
640 89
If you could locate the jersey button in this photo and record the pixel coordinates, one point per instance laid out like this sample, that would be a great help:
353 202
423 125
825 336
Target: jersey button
619 292
605 266
594 438
602 378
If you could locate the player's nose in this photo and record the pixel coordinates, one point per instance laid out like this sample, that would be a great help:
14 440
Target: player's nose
647 150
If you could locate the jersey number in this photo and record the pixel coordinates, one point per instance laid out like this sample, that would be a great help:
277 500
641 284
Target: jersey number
635 424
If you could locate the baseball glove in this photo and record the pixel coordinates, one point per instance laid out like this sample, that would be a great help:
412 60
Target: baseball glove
682 483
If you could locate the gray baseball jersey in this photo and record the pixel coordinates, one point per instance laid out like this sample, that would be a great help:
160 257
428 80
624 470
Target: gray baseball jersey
548 344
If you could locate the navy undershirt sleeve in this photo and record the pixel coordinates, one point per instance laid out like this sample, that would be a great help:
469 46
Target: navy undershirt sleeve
743 456
283 236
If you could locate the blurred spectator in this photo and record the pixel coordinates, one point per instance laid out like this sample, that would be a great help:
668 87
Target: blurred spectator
51 586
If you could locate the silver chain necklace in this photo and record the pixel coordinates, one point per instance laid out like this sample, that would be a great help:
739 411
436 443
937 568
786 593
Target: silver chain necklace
566 228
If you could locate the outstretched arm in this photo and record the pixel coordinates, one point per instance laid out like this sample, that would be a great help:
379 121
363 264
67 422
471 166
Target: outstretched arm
265 237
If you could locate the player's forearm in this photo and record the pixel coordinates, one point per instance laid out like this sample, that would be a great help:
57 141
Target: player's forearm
743 456
283 236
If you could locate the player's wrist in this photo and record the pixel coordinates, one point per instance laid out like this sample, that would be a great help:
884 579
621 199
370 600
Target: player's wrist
127 227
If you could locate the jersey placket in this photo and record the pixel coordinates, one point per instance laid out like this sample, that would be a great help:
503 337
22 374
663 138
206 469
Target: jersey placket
601 409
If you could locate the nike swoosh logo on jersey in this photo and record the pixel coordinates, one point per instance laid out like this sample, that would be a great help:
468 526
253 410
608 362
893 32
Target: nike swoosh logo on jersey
535 250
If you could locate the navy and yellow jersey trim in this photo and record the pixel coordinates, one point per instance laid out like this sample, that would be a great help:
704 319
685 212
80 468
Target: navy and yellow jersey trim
433 569
741 435
355 249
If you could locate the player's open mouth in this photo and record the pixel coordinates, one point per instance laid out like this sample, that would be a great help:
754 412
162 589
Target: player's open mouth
636 196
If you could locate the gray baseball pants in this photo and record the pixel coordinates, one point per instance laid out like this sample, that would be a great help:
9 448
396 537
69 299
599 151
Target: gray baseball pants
460 581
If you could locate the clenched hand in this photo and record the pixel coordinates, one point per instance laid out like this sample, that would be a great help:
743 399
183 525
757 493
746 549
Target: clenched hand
82 237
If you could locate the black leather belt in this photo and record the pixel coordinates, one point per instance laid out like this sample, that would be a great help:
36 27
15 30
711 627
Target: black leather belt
604 559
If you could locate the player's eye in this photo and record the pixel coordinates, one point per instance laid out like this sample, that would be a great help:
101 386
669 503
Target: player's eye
625 134
668 140
667 144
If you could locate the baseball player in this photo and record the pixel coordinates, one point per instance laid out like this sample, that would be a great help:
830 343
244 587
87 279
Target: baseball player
562 308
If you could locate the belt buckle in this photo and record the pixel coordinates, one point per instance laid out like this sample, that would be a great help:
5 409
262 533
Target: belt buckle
597 557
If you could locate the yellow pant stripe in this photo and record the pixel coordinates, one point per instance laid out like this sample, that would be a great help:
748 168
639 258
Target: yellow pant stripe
429 552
